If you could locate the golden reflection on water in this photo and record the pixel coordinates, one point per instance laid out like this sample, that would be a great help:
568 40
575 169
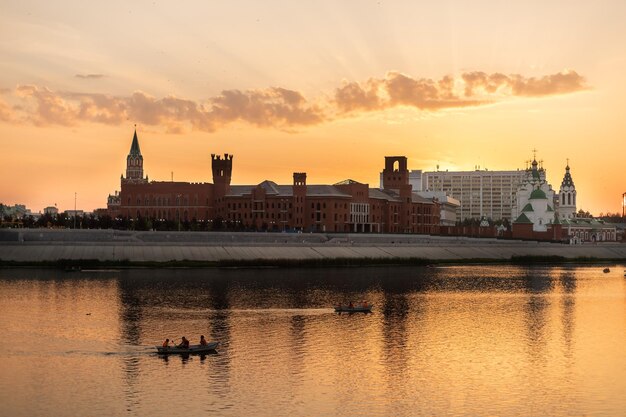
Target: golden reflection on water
479 340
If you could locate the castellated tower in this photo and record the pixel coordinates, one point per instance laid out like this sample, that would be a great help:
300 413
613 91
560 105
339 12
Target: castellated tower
299 198
567 196
134 164
222 173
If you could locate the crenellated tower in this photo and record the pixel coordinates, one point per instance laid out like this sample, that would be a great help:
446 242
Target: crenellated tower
222 172
134 164
567 196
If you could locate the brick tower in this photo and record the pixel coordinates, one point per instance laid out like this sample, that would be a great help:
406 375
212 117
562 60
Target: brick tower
299 199
222 172
396 177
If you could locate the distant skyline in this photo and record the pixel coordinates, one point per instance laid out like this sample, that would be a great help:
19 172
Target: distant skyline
324 87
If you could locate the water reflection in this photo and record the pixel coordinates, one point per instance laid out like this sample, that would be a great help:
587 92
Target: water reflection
567 280
478 340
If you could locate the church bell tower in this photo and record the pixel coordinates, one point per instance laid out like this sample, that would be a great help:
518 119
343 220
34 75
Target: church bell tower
567 196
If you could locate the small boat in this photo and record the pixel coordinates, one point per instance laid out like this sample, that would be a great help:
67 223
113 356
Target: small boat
606 270
192 349
358 308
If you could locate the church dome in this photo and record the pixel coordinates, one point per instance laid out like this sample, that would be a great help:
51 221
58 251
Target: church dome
538 194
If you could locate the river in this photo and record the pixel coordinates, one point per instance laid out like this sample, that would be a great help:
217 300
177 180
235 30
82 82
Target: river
446 341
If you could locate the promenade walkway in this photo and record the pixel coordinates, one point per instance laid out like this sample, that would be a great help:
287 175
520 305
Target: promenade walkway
43 245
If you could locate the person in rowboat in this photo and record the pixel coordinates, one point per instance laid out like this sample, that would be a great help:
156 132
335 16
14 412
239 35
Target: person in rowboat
203 341
166 343
184 343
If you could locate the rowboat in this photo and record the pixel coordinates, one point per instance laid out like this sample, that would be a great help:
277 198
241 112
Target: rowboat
192 349
353 309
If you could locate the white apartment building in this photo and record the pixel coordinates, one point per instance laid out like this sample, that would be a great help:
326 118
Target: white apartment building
481 193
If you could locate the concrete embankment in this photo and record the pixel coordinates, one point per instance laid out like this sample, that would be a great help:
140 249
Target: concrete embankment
42 246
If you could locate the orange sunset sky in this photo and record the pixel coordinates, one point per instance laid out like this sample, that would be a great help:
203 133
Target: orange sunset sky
324 87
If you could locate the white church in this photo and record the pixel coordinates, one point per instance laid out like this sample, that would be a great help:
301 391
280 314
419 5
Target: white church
536 199
537 203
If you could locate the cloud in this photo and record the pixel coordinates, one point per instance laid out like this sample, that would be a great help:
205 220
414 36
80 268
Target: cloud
277 107
6 115
354 96
397 89
272 107
50 107
264 108
89 76
470 89
517 85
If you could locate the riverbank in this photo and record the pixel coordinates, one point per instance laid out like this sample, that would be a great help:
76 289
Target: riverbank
108 248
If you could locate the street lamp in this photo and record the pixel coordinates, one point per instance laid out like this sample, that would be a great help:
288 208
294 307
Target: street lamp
74 210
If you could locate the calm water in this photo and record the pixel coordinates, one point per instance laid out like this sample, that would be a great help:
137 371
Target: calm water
475 340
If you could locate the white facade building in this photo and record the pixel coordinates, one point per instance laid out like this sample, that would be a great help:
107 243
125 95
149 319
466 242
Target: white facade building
481 193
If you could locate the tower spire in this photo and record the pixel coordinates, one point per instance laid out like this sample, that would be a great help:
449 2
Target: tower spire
134 147
134 162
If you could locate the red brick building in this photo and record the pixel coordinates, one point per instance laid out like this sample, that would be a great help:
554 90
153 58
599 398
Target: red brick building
347 206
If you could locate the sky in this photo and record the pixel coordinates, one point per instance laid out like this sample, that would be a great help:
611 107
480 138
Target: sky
324 87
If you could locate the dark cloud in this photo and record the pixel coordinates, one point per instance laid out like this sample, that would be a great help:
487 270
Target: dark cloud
277 107
89 76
